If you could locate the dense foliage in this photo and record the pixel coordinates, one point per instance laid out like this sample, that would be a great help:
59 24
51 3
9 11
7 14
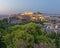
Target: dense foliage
26 36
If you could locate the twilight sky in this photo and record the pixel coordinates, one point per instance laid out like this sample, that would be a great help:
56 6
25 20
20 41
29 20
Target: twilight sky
17 6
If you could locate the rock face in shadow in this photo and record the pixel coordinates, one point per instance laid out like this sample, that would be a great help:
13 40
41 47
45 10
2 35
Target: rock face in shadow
2 44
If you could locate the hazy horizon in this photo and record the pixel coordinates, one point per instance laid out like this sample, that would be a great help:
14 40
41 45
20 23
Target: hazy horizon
18 6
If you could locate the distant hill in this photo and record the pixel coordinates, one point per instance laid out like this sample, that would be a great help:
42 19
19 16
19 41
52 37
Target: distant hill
45 14
3 16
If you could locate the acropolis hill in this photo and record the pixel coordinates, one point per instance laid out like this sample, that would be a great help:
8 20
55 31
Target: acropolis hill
26 17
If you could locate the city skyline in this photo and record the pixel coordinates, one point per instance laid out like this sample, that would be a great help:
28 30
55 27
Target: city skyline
17 6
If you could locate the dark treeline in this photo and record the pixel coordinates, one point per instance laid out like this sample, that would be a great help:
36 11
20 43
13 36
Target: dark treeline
26 36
